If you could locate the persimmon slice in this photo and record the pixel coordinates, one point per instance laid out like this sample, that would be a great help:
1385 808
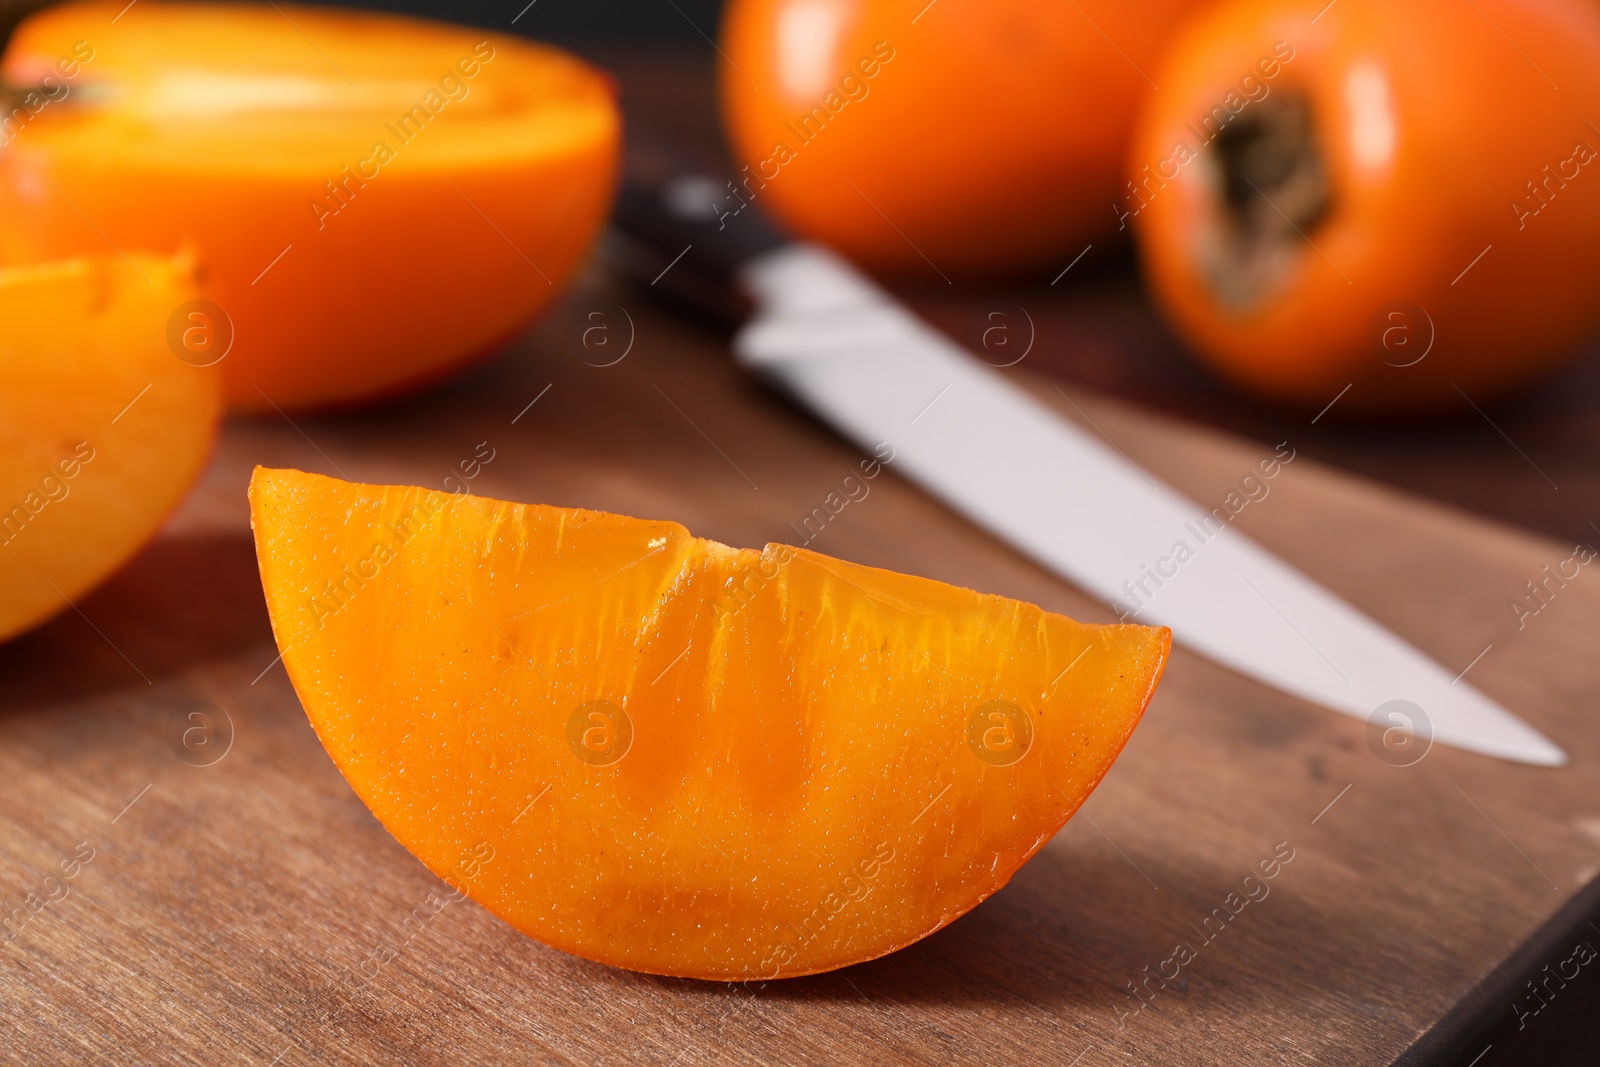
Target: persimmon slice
666 754
103 426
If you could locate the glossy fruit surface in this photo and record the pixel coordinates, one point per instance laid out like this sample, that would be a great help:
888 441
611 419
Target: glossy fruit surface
102 427
670 755
374 199
961 137
1399 198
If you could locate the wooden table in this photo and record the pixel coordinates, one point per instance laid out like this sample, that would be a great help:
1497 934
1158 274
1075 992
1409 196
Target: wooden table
220 904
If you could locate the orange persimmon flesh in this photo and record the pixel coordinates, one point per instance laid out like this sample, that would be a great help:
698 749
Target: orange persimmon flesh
375 199
666 754
102 427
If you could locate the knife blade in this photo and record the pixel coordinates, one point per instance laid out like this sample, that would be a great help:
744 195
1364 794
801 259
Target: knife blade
850 353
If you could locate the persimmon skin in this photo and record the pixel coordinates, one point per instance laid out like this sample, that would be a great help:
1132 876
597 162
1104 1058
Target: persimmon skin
409 273
992 137
1415 199
800 787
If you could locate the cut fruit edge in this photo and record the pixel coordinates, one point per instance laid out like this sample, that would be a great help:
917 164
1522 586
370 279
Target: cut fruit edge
165 408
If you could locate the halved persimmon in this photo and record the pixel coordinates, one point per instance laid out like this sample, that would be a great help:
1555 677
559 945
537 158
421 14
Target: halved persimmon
670 755
375 199
103 427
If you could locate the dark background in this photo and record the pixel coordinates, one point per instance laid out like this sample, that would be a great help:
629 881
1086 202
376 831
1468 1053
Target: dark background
576 23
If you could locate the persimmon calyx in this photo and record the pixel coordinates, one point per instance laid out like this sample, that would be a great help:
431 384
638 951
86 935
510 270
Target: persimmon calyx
1270 189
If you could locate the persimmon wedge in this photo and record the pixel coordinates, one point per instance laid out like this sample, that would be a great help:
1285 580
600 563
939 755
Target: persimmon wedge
666 754
102 427
376 199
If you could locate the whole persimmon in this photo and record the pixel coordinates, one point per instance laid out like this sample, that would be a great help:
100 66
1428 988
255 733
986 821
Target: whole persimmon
374 199
945 138
1395 205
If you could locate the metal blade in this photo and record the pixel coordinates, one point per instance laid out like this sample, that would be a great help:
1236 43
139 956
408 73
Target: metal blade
852 354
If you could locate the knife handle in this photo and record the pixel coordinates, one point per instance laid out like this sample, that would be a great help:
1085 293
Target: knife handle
685 240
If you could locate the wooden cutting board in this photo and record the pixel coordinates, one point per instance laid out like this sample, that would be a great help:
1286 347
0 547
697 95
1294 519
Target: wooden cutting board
250 910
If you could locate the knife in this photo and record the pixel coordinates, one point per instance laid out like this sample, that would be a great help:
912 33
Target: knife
855 357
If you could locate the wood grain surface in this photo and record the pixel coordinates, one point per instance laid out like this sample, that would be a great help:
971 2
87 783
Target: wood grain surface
250 910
